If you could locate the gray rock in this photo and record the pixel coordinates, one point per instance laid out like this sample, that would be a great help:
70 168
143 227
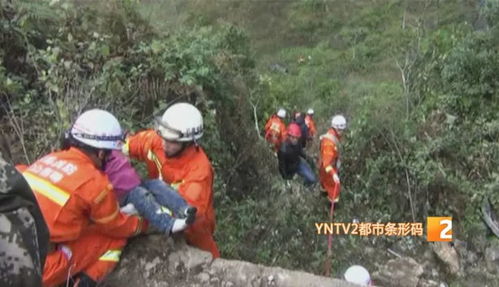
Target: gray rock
428 255
434 272
150 265
157 261
448 255
428 283
466 255
492 259
401 272
215 281
203 277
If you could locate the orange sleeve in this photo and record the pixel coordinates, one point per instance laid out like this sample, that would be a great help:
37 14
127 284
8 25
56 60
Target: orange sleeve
137 146
313 128
196 194
329 154
69 223
105 213
197 188
268 124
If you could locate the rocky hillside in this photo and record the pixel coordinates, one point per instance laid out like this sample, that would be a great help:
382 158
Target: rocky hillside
157 261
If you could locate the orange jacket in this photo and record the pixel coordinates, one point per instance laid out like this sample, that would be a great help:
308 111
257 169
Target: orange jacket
75 196
330 151
190 173
275 130
330 163
312 130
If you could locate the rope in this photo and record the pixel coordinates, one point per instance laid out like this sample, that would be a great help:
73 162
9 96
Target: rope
327 263
69 275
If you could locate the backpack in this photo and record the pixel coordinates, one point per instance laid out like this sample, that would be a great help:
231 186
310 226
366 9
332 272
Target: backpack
24 236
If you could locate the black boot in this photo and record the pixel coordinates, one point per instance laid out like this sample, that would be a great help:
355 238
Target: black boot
190 214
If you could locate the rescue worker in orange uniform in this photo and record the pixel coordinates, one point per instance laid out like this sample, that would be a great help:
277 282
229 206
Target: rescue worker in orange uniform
87 229
309 121
172 154
275 129
330 158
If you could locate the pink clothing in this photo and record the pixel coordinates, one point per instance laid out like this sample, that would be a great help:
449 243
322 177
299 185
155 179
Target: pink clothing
121 174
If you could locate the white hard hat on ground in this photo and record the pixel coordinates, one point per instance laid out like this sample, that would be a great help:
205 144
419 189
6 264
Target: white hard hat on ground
98 128
339 122
181 122
358 275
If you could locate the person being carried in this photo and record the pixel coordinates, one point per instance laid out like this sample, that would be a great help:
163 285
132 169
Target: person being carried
172 154
153 199
292 158
299 119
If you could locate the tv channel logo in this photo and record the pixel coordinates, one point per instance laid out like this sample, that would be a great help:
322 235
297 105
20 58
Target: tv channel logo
439 228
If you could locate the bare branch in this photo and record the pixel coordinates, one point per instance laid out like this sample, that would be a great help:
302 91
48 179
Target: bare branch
409 192
255 117
18 126
393 142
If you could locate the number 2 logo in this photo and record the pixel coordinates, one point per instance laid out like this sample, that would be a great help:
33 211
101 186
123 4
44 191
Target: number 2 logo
446 233
439 229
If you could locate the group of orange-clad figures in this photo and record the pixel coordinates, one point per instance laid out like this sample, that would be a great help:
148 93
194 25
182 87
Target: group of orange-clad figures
87 199
92 199
289 143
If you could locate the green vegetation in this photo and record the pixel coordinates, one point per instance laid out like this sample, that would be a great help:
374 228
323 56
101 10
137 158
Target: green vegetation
416 79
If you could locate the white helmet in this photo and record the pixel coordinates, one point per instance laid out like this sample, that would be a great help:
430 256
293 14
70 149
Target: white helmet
181 122
310 111
339 122
99 129
281 113
358 275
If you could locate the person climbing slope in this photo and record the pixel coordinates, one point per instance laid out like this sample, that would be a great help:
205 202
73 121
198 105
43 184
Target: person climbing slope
330 158
275 129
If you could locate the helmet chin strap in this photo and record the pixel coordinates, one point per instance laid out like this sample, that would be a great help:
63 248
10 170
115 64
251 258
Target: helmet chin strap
195 141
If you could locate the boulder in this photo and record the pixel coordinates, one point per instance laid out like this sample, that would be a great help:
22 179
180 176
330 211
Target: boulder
400 272
448 255
492 259
158 261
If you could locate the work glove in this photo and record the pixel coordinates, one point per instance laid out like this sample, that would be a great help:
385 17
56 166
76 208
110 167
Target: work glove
335 177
